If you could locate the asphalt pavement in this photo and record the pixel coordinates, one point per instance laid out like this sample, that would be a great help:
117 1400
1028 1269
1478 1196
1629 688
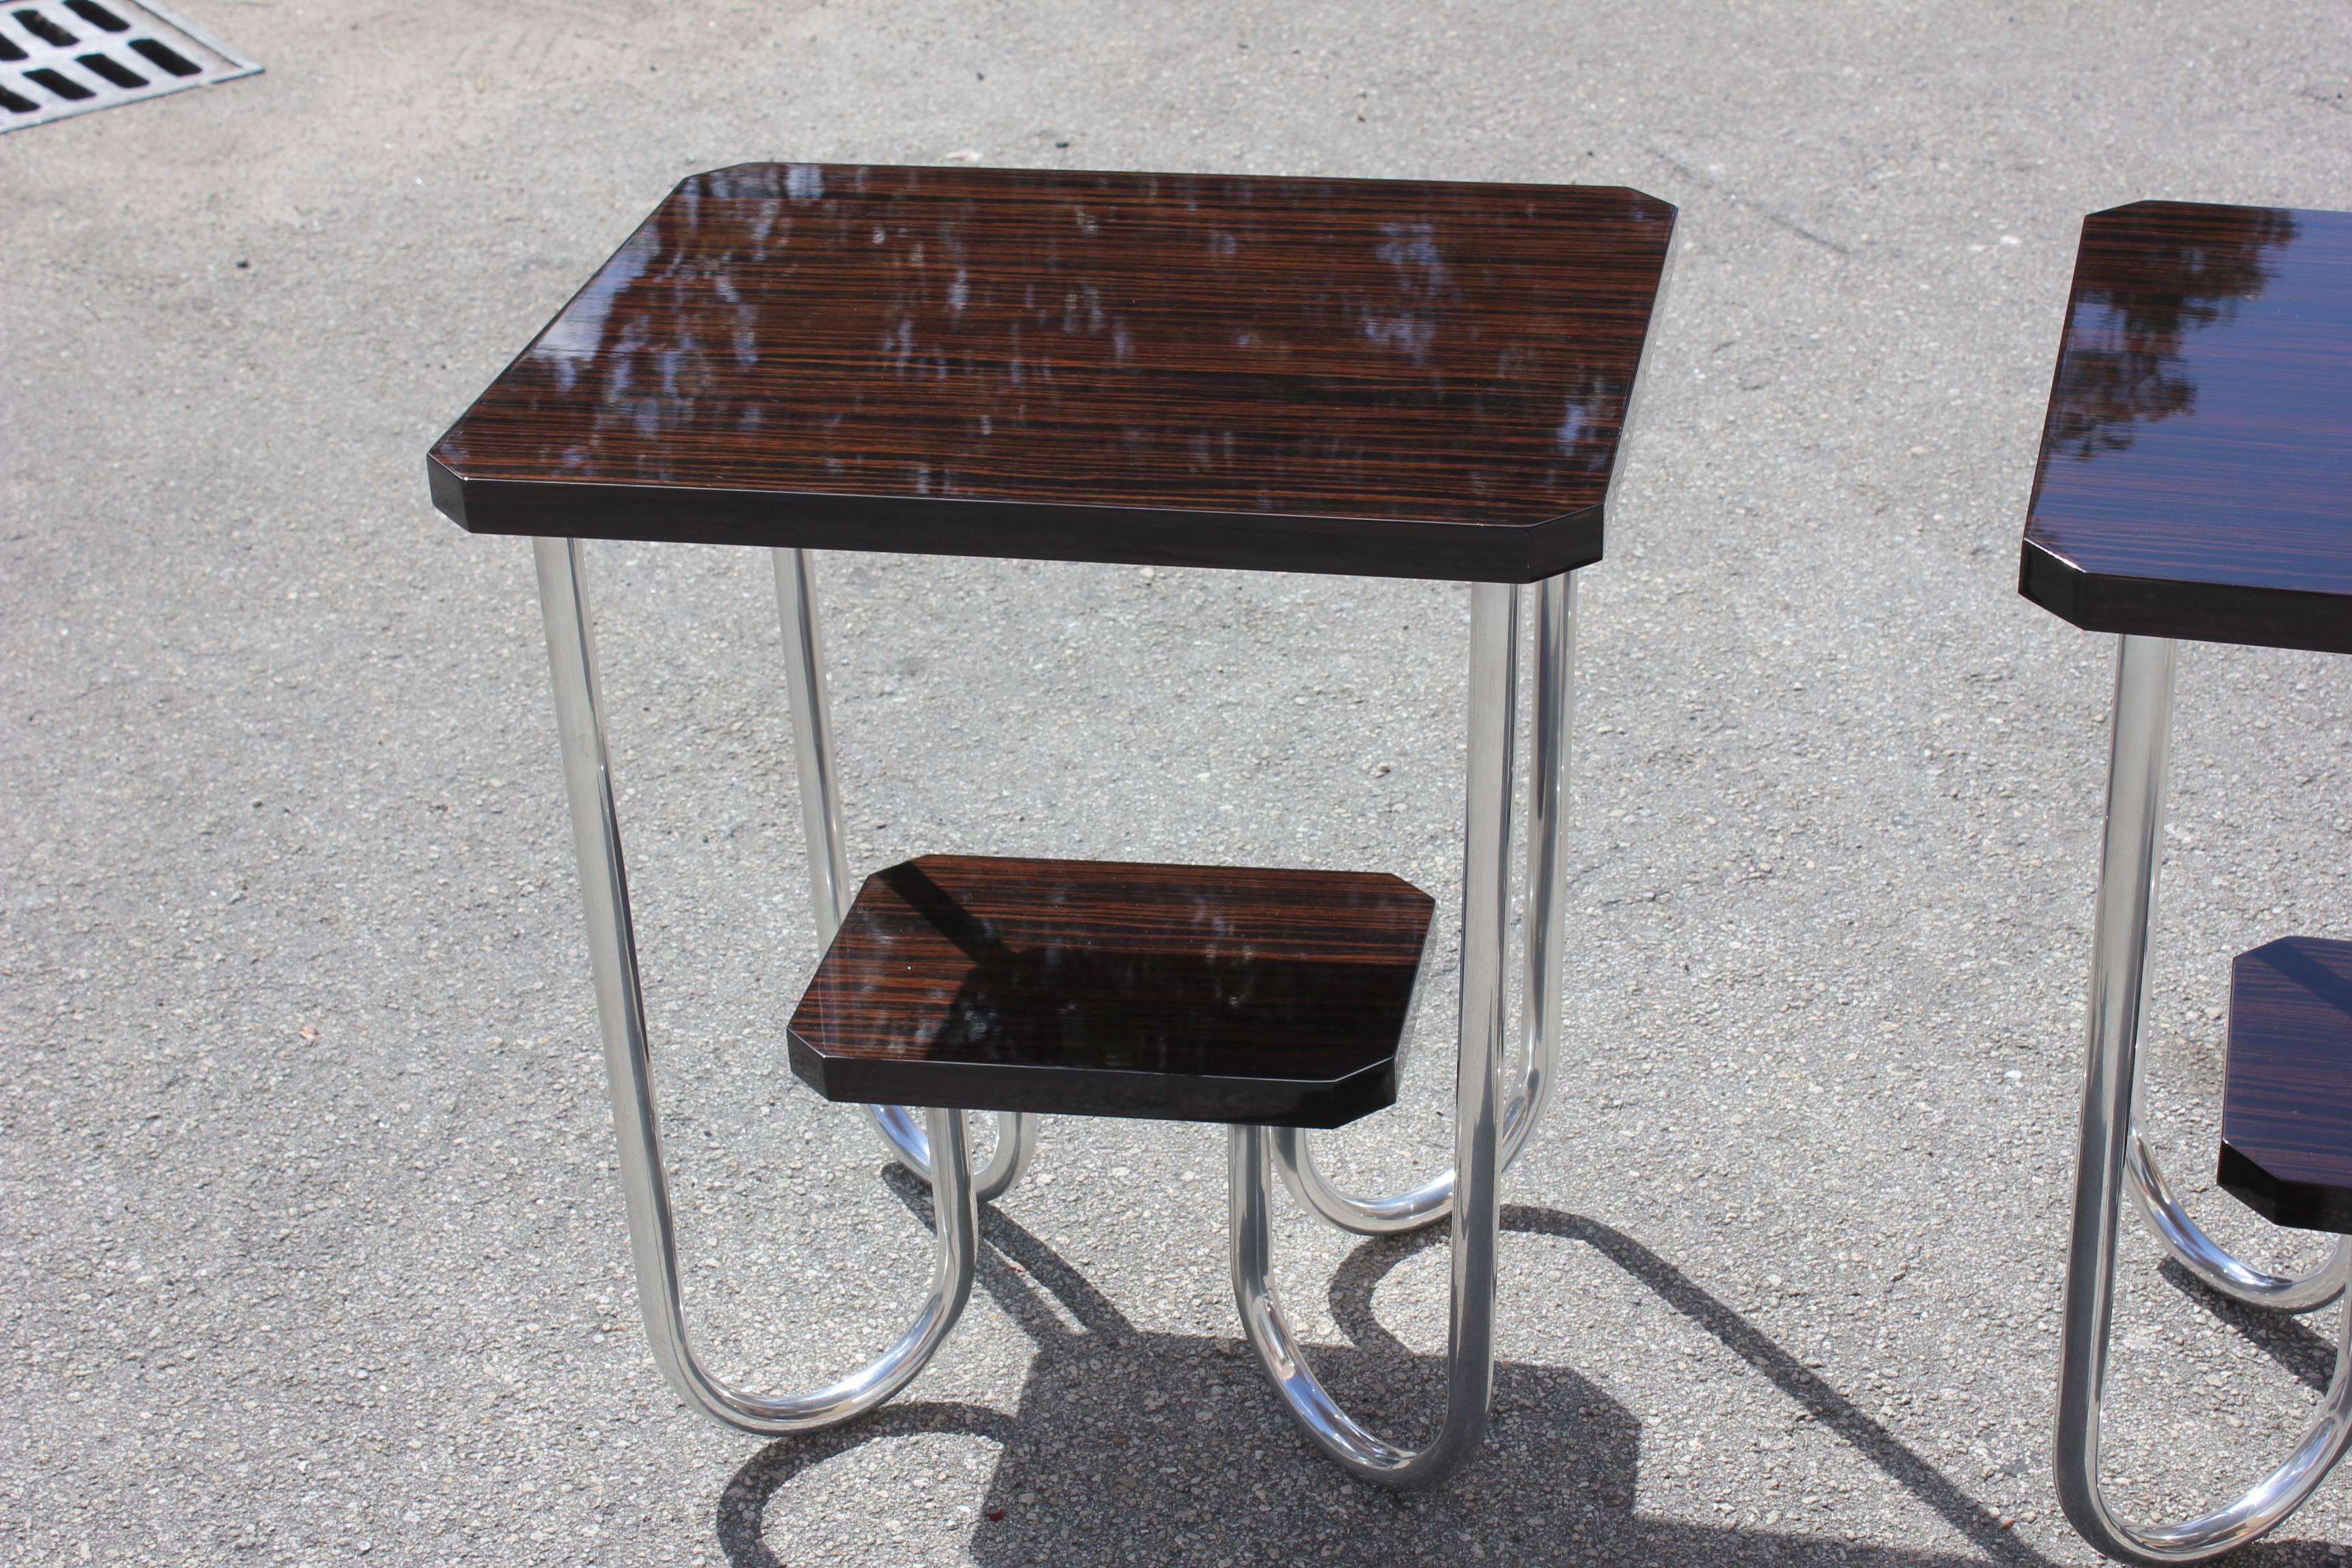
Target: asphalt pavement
310 1242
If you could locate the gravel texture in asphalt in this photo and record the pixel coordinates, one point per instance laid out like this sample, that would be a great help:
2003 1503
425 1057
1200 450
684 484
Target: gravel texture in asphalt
310 1245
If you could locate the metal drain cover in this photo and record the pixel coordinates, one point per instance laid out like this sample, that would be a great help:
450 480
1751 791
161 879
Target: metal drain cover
69 57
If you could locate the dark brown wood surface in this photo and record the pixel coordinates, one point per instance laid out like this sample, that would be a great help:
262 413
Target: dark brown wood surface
2286 1103
1374 376
2196 469
1096 988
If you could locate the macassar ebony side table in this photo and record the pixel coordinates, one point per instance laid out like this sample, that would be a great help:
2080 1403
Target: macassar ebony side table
2195 482
1374 377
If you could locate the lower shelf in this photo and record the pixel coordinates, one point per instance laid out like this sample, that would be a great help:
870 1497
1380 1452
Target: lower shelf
1099 988
2286 1103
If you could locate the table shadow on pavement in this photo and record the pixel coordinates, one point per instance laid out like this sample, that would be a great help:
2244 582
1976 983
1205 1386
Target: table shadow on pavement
2285 1337
1133 1447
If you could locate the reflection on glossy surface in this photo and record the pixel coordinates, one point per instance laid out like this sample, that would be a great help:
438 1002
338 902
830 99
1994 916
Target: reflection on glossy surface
2199 440
1186 992
1323 348
2124 363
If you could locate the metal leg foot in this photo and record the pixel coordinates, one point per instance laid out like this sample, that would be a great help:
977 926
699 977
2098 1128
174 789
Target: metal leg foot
2109 1148
628 1066
1485 913
829 885
1544 957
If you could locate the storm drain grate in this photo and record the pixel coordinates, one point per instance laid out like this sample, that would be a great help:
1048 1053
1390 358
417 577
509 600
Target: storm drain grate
69 57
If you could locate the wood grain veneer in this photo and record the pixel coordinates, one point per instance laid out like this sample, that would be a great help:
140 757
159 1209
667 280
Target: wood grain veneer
2286 1103
1405 378
2195 470
1095 988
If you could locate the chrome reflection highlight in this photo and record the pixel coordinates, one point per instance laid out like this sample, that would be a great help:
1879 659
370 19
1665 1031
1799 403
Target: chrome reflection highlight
2217 1267
829 886
2109 1148
1545 952
1016 1141
1485 917
628 1066
830 889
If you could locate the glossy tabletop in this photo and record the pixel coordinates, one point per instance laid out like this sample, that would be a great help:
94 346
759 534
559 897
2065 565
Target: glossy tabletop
1401 378
2286 1101
2196 469
1099 988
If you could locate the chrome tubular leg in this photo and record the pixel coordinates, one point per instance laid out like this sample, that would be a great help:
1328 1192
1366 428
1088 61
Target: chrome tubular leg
1545 950
829 884
1486 915
812 753
2125 915
2213 1265
628 1066
1547 873
1016 1141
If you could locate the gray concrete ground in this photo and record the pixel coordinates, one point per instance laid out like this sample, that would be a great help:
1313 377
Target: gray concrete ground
312 1248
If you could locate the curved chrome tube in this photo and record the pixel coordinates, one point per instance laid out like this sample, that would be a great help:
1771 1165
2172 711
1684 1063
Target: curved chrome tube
628 1066
2218 1268
2126 915
2264 1507
1485 912
1545 952
1314 1192
830 889
2149 687
1016 1141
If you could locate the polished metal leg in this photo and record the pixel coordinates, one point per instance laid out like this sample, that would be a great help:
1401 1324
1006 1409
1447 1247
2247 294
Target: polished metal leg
812 752
2213 1265
1545 970
2105 1155
1545 950
1485 916
628 1067
2218 1268
829 884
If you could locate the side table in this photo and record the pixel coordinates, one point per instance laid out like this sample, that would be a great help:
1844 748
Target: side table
1389 378
2195 482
